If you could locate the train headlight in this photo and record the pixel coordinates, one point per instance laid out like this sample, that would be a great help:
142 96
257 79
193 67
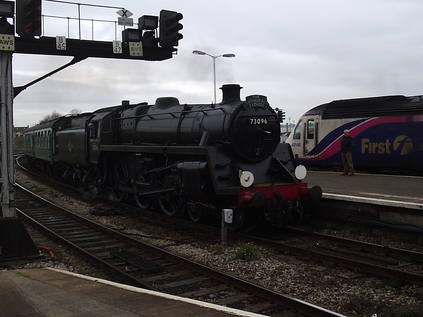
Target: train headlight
300 172
246 178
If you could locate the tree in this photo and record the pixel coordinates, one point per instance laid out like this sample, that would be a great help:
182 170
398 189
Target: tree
75 111
51 116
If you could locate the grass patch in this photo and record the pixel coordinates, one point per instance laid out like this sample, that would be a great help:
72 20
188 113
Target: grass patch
22 274
217 249
247 252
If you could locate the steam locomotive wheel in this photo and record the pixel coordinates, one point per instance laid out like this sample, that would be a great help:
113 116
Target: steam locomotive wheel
117 195
120 176
299 213
295 213
142 201
195 212
94 180
170 204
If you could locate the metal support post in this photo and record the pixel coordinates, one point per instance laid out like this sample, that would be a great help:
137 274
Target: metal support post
214 78
224 230
7 136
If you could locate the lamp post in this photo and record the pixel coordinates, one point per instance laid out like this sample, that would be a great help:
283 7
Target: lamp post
214 57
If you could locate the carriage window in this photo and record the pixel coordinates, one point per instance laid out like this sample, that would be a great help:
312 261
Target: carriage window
310 129
297 131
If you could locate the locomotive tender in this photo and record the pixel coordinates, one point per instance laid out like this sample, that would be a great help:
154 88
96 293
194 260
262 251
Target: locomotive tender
180 157
387 133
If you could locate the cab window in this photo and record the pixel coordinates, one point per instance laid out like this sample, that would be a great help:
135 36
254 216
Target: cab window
297 131
310 129
92 130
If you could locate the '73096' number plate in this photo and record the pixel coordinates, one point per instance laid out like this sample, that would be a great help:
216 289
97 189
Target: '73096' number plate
258 121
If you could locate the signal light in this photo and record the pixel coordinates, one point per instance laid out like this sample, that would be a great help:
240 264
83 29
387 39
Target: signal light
149 40
148 22
169 28
28 18
131 35
281 114
7 9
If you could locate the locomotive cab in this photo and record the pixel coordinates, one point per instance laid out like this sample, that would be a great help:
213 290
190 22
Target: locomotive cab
305 136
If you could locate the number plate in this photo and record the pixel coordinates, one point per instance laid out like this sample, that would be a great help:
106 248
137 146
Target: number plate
117 47
258 121
60 43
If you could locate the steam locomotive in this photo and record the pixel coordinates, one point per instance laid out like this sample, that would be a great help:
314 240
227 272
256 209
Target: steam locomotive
196 158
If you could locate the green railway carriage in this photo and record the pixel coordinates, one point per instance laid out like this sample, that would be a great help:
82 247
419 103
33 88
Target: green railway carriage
41 141
73 140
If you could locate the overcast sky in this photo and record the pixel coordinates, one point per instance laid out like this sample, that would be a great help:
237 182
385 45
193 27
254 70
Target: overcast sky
299 53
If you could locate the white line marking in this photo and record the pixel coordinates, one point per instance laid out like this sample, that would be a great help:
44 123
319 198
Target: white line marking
368 174
375 201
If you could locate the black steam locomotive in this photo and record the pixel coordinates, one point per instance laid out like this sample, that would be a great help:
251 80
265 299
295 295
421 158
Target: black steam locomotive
180 157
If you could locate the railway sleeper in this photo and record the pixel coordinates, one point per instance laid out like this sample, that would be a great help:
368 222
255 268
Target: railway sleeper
167 276
236 298
68 234
50 218
260 307
205 291
57 226
96 243
37 210
57 222
361 255
142 262
85 237
186 282
114 262
99 250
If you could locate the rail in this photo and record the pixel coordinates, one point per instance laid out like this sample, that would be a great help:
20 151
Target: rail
145 265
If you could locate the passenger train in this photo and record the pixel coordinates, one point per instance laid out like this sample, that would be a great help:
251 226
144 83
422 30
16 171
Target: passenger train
387 133
180 157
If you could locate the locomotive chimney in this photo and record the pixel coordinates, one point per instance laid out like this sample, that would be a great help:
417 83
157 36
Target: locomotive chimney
231 93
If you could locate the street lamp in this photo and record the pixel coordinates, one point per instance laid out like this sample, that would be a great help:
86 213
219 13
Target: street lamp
214 57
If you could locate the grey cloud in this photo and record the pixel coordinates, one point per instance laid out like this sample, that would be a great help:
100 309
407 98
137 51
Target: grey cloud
299 53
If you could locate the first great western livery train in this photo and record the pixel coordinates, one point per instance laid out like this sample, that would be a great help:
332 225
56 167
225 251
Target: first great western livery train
387 133
180 157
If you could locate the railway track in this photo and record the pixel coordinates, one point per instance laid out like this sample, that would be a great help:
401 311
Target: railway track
141 264
392 263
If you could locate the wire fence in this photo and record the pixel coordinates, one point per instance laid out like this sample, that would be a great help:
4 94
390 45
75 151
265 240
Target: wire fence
82 25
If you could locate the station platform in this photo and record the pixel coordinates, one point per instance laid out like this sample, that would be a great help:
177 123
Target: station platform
378 189
51 292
